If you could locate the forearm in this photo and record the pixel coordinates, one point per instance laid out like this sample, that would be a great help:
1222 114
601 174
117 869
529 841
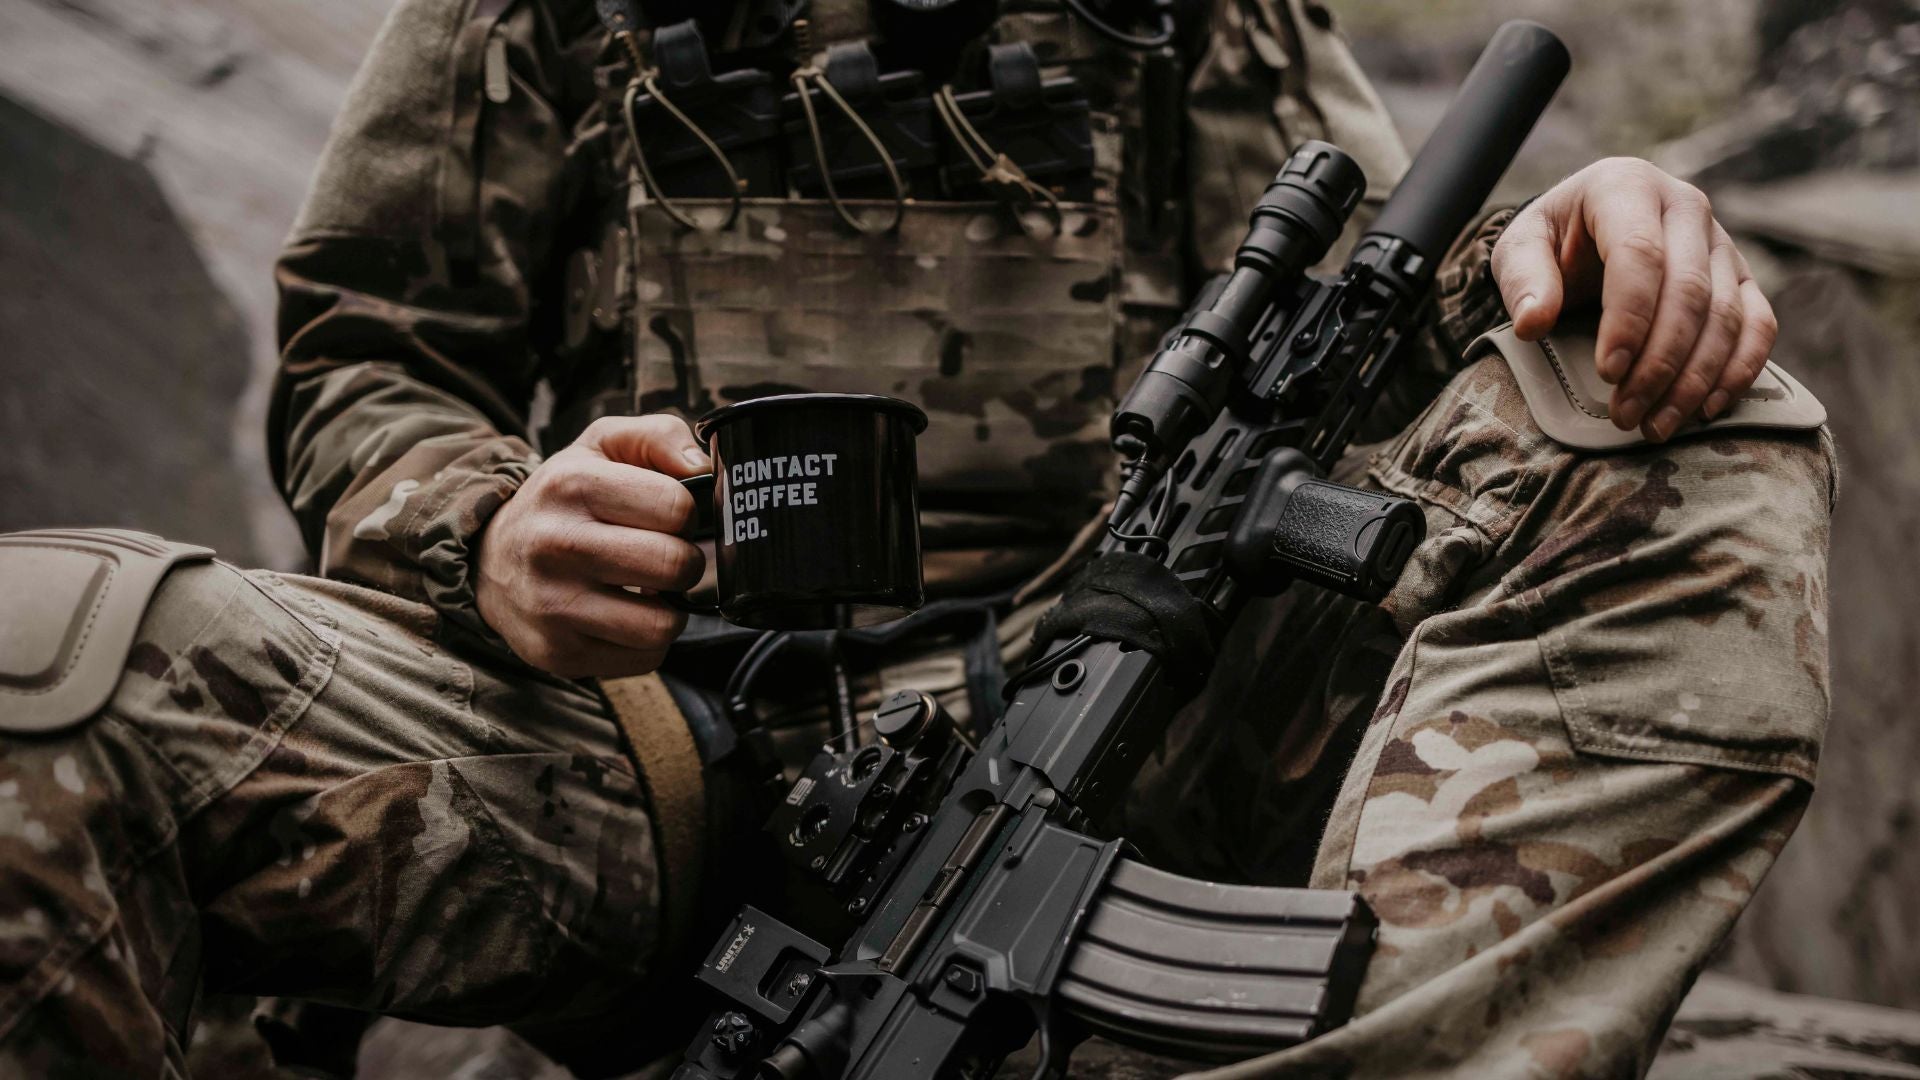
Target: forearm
411 290
397 423
393 480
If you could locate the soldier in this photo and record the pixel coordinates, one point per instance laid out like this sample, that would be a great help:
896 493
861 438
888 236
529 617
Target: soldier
1557 760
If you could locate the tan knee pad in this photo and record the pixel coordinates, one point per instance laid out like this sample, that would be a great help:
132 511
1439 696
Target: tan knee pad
74 599
1568 398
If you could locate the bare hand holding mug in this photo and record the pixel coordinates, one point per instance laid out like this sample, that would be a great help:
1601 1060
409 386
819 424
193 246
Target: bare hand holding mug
606 513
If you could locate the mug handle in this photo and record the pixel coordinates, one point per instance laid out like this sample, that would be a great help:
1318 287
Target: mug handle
701 528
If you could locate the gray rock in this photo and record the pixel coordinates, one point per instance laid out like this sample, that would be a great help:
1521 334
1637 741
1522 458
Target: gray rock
123 360
1866 220
1838 91
1728 1029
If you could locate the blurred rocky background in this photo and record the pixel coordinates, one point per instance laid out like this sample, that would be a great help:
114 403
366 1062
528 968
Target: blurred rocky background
152 157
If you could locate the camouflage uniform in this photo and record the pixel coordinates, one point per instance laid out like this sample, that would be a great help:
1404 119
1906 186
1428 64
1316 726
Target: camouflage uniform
296 790
1558 758
1561 754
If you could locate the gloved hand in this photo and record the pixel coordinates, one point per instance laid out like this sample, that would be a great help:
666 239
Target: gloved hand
1683 326
600 515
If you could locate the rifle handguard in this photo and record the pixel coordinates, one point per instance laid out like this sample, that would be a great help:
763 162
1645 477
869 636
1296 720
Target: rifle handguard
1295 525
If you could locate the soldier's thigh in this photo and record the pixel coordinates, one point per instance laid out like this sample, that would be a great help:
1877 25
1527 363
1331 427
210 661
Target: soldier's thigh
102 952
295 790
437 837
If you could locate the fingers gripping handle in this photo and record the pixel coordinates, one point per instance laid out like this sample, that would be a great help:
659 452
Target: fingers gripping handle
1507 90
1295 525
701 527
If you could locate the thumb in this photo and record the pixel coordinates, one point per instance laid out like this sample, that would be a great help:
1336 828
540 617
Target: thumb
1526 267
660 442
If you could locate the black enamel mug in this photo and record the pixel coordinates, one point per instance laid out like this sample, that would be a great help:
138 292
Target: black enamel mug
815 510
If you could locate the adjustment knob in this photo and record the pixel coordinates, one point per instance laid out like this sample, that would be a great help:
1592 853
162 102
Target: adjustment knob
903 717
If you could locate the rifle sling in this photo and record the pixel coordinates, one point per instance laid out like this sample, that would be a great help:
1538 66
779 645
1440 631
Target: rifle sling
663 750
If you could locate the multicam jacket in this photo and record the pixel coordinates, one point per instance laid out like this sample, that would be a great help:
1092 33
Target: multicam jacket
476 238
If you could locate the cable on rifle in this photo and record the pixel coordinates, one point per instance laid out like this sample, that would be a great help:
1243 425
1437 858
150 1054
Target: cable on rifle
1156 535
739 692
1044 664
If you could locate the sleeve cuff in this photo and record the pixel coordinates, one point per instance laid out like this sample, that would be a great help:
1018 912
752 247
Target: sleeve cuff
1467 300
448 540
415 528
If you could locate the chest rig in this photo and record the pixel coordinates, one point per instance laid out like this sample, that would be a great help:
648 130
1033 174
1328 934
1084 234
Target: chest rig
1003 264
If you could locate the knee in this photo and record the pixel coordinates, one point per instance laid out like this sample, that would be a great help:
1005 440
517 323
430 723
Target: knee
121 772
189 698
95 610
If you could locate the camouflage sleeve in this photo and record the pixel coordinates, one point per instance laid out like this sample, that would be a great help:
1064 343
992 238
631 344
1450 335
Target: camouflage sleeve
412 289
1467 303
1273 74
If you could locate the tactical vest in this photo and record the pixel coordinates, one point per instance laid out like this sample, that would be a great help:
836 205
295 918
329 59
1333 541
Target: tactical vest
1014 329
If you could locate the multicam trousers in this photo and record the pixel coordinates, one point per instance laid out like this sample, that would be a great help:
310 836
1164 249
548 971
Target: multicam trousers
295 791
1557 760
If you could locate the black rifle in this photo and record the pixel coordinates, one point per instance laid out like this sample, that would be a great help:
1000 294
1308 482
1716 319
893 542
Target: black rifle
986 907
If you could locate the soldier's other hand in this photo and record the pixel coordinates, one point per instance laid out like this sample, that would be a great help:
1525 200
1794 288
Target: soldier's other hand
596 517
1684 329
